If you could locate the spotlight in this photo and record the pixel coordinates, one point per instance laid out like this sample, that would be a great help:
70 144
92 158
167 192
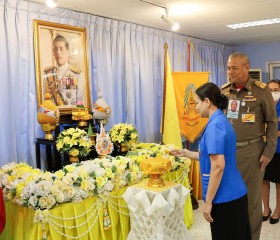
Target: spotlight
51 3
174 26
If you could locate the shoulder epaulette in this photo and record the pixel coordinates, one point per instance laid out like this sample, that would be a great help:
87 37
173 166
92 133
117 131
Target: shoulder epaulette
226 85
49 68
75 70
260 84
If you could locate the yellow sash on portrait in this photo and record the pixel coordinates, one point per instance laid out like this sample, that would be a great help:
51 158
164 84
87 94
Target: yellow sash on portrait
185 84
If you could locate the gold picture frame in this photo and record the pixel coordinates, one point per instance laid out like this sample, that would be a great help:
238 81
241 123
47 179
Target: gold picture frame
61 65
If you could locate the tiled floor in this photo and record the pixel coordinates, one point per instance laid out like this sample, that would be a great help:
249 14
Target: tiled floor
201 229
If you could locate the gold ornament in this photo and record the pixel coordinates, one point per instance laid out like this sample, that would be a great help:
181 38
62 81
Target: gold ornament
155 167
48 116
81 115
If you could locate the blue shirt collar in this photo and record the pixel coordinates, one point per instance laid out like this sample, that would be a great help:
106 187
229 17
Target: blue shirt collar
216 113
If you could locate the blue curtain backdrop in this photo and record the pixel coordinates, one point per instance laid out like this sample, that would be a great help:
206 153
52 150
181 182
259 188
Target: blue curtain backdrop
125 60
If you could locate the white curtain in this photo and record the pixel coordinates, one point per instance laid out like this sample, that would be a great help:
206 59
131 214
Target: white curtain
125 62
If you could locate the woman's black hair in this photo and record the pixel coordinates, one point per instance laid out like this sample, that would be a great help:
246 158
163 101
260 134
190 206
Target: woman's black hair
213 93
274 81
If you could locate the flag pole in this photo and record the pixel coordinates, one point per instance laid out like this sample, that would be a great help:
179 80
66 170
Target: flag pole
189 56
164 89
188 70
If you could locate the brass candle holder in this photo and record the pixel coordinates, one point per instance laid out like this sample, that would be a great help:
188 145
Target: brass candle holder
155 167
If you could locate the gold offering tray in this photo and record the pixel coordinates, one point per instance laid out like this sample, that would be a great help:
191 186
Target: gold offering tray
155 167
81 115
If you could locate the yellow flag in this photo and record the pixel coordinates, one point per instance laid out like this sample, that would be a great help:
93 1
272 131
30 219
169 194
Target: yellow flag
170 128
185 84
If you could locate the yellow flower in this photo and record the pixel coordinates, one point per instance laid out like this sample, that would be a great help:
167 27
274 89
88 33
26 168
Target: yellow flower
124 133
70 131
74 152
134 168
12 178
100 181
109 173
59 145
59 174
74 138
133 136
19 188
69 168
84 185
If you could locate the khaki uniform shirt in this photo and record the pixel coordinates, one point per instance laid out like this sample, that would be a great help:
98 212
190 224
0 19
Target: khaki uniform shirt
255 101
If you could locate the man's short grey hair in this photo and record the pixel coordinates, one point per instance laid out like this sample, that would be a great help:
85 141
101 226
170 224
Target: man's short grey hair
240 55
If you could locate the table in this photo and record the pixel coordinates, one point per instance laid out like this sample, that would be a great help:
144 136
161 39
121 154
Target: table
83 220
157 213
52 155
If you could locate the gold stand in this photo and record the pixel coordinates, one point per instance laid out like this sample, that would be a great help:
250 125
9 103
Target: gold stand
155 167
48 128
81 115
155 181
73 159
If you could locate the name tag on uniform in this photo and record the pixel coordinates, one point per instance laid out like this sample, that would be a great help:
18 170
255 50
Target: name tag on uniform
248 117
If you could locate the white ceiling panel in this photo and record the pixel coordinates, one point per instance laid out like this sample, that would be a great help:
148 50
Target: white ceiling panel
208 22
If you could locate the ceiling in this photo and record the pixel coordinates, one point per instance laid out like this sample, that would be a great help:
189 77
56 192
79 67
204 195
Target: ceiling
208 22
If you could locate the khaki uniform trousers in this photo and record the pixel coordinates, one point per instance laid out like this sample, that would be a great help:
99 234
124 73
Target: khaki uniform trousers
248 163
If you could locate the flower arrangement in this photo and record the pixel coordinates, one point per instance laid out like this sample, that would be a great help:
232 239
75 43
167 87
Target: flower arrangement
80 104
37 189
143 151
43 190
124 133
74 141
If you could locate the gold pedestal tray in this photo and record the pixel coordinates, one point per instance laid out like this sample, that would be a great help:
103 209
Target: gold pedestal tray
155 167
81 115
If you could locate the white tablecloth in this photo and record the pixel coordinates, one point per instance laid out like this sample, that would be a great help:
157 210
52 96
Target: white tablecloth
157 213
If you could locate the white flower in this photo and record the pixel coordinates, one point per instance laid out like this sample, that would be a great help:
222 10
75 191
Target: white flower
33 201
60 197
43 188
50 201
43 202
109 186
100 172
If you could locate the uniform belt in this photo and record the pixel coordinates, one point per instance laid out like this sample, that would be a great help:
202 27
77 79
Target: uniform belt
245 143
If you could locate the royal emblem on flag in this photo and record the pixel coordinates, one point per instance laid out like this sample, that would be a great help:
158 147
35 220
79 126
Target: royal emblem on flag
185 85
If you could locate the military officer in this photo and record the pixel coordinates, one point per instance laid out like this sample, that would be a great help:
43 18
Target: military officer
63 82
256 109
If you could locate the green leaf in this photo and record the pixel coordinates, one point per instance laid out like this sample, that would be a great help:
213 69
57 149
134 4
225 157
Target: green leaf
114 168
128 177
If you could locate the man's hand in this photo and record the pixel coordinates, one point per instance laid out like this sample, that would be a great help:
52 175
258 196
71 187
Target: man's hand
263 162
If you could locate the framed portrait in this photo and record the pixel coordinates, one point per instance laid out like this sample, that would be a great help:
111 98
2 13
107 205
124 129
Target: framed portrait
61 65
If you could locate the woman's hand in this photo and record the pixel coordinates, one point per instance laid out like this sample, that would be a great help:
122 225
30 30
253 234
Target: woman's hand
207 212
178 152
184 153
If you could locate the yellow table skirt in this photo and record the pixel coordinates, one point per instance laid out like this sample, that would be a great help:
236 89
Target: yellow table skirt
82 221
195 179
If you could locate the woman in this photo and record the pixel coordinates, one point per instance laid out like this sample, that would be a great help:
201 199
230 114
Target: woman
224 192
272 172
